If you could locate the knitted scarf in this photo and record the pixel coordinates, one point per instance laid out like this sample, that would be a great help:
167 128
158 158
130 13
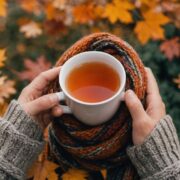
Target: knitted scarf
94 148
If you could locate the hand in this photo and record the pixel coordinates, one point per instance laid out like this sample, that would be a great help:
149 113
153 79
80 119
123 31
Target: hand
41 107
144 121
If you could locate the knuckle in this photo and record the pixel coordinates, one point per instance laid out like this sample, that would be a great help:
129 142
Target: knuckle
134 104
25 90
148 69
51 99
42 74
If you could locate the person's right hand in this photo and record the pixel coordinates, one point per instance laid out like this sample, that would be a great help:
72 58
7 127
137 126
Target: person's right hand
144 121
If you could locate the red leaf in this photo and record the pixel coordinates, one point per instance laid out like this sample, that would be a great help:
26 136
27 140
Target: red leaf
171 48
33 68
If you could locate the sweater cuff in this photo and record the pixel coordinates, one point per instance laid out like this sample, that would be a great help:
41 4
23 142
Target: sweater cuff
23 122
20 141
159 151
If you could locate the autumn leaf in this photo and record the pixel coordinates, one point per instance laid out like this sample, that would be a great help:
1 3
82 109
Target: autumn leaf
84 13
177 81
32 6
54 28
75 174
2 57
53 13
33 68
172 9
150 27
31 29
3 8
3 108
43 170
119 10
6 88
171 48
144 4
59 4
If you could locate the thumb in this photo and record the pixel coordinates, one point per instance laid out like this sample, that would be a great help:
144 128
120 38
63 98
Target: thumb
134 105
41 104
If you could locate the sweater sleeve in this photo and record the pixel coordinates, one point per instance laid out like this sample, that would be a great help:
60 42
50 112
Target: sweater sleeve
21 141
159 156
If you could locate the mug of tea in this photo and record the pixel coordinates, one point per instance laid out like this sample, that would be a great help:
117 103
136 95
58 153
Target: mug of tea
93 85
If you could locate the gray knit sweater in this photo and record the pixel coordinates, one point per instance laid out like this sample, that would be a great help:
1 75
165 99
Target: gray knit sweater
21 140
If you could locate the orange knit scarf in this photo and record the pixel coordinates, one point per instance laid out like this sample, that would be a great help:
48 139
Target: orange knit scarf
104 146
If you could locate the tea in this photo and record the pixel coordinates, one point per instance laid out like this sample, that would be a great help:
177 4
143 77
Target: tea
93 82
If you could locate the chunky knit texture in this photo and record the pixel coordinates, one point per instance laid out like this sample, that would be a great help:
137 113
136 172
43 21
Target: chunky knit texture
21 141
158 158
161 165
104 146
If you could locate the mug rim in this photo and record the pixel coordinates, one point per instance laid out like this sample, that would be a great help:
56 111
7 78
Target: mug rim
119 91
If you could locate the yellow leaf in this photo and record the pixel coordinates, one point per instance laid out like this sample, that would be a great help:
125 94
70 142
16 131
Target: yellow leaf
43 170
31 29
150 27
2 57
75 174
119 10
6 88
3 8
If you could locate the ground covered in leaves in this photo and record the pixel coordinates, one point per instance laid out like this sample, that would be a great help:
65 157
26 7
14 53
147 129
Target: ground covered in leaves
33 35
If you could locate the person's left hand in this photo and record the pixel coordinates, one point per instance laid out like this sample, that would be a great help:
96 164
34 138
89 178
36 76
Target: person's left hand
41 107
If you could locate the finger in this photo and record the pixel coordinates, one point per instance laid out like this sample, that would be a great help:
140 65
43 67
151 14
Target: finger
43 79
135 107
41 104
152 87
57 111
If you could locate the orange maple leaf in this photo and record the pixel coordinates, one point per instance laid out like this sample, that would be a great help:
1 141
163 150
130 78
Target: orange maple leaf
31 29
150 27
84 13
3 108
54 13
75 174
33 68
119 10
2 57
32 6
171 48
6 88
3 8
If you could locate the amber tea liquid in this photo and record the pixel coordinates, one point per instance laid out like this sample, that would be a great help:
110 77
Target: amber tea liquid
93 82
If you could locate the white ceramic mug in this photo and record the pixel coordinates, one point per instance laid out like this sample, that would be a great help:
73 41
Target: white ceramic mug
91 113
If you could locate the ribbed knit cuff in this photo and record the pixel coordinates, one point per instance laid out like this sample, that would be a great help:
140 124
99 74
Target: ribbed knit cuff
23 122
159 153
20 141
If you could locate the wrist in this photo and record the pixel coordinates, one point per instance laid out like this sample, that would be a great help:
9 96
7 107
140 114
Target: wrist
160 149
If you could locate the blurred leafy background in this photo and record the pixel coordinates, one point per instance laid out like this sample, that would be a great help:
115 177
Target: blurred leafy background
34 34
